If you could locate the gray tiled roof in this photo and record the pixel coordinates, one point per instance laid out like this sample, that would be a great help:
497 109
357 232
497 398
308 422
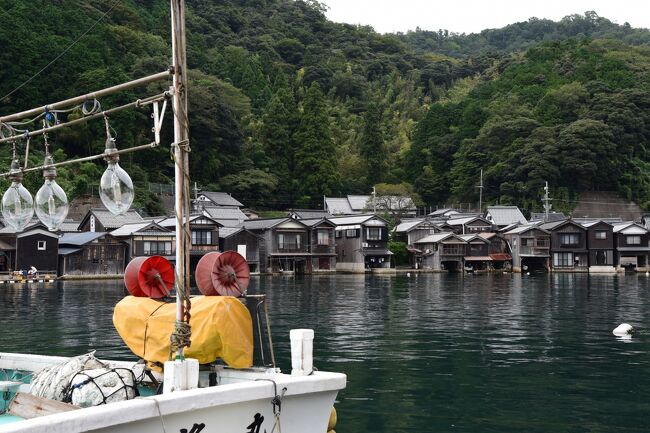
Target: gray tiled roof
225 232
355 219
552 216
311 213
81 238
338 206
111 221
405 226
170 222
359 202
129 229
221 198
218 213
505 215
69 226
229 222
524 228
264 223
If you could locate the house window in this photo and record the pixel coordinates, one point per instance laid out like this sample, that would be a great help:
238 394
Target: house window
339 233
601 234
563 259
569 239
201 237
634 240
154 248
288 241
41 245
374 234
351 233
525 242
323 237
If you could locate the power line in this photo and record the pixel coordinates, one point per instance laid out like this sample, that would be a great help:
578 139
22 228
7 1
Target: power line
63 52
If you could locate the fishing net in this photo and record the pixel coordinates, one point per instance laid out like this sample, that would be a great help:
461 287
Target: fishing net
85 381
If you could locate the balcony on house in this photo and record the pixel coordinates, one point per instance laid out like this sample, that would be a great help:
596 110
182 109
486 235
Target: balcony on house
453 250
535 247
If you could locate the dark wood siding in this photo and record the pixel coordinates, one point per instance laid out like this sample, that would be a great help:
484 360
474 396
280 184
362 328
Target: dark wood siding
28 254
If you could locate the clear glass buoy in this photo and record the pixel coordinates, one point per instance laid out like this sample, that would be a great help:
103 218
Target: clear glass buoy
51 202
17 202
116 189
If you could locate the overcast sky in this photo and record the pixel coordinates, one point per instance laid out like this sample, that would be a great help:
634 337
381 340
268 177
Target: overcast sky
470 16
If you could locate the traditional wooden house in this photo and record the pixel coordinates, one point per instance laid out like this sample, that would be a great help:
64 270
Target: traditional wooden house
91 253
246 243
361 243
477 253
568 246
322 245
102 220
468 225
205 235
600 243
37 247
442 251
498 250
530 247
147 239
409 231
286 241
632 246
8 248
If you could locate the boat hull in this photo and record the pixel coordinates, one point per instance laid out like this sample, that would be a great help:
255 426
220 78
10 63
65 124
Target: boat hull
243 399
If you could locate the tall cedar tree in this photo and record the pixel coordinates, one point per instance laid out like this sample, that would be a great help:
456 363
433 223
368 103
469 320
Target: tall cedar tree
316 163
372 148
279 125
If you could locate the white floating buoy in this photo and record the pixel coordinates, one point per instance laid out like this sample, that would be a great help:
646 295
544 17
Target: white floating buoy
623 329
527 273
647 273
408 274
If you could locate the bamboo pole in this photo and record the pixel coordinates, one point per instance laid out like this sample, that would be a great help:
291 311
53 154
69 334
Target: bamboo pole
181 147
89 96
138 103
85 158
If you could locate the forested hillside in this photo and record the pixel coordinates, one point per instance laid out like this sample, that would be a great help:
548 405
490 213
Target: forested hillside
286 106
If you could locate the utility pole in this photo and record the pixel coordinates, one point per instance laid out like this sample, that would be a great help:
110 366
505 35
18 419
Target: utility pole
546 200
374 200
480 194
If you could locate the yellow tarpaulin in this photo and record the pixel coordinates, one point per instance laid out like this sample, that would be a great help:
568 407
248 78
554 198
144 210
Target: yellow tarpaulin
221 328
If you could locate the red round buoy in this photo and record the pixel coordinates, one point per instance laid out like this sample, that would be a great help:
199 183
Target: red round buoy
203 274
230 274
131 277
151 277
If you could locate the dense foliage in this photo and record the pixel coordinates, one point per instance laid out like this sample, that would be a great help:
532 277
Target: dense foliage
572 113
286 107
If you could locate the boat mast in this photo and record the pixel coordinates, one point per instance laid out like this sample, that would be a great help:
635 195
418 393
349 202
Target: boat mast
181 157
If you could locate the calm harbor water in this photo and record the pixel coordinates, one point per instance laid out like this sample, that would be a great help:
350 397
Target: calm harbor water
426 353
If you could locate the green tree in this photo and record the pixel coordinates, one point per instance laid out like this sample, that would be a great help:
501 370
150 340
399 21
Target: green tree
372 147
316 164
